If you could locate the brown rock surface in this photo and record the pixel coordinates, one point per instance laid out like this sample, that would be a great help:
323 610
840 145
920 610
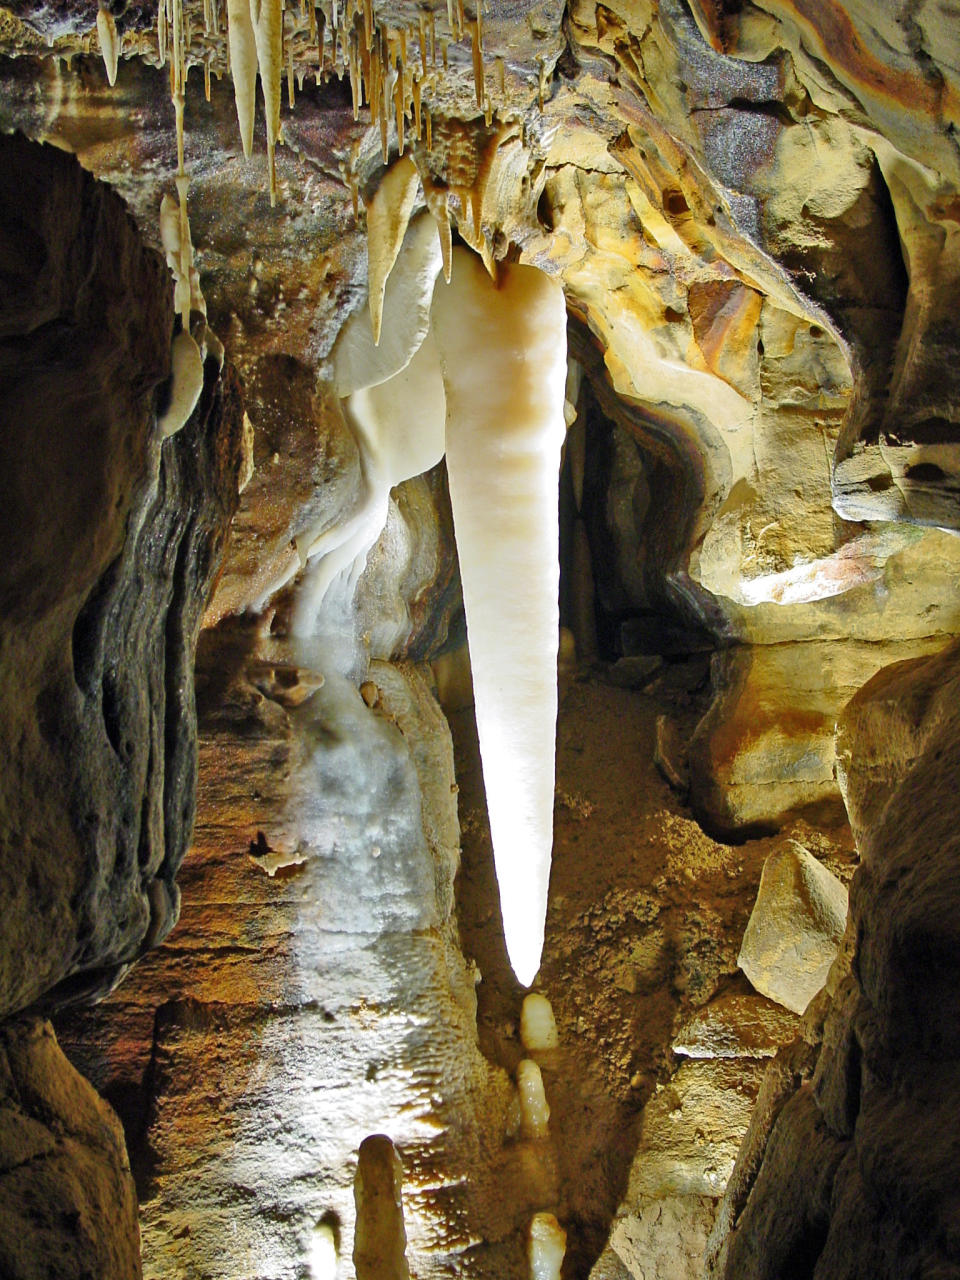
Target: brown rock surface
795 927
67 1202
110 542
856 1170
753 210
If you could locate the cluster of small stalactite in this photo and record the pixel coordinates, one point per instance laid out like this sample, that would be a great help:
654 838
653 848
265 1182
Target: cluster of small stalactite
395 72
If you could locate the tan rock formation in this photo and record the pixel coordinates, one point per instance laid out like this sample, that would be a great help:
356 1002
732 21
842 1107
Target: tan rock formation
67 1201
853 1174
794 930
110 541
752 210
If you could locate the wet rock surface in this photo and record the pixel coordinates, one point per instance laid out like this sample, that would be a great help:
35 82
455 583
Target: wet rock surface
753 211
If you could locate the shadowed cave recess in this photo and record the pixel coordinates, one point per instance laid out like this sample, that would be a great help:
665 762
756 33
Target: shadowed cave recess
479 608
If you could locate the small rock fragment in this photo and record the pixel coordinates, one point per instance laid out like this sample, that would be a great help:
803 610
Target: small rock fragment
736 1026
670 755
794 929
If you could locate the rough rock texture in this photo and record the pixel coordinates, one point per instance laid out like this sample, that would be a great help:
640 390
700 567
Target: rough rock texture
752 208
851 1173
313 993
68 1208
766 748
795 927
108 548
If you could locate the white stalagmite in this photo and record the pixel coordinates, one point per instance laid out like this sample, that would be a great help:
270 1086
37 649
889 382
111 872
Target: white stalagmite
534 1108
243 68
538 1028
267 17
109 43
503 351
388 215
548 1244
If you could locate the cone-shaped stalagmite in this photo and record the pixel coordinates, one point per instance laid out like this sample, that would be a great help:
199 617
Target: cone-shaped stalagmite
503 354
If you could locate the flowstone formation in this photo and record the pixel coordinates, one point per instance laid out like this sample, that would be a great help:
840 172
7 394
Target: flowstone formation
618 344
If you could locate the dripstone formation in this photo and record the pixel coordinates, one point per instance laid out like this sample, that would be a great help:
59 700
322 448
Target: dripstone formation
480 514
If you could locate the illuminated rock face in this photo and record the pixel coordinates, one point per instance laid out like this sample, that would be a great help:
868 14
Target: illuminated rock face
751 215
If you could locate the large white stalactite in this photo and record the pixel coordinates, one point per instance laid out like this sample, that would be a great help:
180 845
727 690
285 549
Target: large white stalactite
504 356
486 382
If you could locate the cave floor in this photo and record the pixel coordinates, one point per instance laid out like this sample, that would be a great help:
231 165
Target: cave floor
251 1053
645 918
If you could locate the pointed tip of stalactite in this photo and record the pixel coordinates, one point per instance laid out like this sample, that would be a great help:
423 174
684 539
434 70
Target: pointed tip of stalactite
109 44
525 960
272 168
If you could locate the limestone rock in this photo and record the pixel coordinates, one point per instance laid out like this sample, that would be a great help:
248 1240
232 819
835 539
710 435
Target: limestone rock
664 1239
67 1202
855 1173
765 749
305 472
291 1016
108 547
883 734
801 1161
692 1129
794 929
736 1026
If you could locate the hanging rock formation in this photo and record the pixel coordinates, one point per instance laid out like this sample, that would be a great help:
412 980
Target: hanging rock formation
747 215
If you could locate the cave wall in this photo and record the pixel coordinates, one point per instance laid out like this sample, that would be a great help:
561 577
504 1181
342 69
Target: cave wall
848 1171
753 212
111 542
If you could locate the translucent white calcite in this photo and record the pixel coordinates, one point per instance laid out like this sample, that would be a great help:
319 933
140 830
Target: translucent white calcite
534 1108
399 426
267 19
538 1029
503 351
243 68
548 1244
480 371
359 361
323 1253
387 217
186 383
